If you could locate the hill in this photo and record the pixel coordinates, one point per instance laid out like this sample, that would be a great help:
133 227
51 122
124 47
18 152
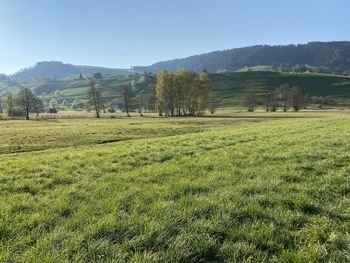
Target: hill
230 89
233 88
332 56
59 70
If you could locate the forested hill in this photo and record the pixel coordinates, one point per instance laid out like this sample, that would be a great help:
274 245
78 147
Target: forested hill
332 56
59 70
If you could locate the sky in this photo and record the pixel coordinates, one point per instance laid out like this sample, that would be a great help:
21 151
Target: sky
124 33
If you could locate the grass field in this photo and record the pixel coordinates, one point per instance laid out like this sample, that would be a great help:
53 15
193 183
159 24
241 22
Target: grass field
250 188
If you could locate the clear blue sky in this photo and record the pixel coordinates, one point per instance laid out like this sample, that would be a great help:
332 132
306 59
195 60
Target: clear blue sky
120 33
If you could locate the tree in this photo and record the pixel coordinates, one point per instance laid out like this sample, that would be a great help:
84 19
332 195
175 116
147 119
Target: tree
77 104
53 103
166 92
98 75
38 106
162 84
267 102
140 104
204 92
9 103
251 100
185 81
199 95
26 99
297 98
94 96
151 102
170 94
128 96
273 101
283 94
81 76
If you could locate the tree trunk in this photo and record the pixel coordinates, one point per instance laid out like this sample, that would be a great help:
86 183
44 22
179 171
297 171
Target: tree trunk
127 110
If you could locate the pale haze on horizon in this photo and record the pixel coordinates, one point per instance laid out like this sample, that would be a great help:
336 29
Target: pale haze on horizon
120 33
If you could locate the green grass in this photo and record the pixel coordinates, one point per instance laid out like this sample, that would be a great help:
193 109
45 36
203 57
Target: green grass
234 191
24 136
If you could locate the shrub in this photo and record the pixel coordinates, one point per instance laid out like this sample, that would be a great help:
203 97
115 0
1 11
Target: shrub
52 110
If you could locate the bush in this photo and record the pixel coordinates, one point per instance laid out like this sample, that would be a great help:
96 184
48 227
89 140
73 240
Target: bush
111 110
52 110
17 112
98 75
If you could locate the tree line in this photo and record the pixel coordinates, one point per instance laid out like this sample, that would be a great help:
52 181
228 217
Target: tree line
22 104
284 97
131 101
177 94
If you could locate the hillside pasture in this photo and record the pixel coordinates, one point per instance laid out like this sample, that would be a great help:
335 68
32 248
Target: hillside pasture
229 89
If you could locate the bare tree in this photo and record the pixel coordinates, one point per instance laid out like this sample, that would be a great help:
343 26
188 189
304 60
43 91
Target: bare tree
251 101
284 95
127 95
140 104
273 101
26 99
267 102
297 98
38 106
94 98
9 103
151 102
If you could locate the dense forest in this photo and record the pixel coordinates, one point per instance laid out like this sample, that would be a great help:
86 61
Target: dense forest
331 56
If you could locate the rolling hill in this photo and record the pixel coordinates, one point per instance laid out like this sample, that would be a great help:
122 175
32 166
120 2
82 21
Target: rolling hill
59 70
331 56
230 89
325 56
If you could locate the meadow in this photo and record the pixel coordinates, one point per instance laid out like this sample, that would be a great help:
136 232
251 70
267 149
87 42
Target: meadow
246 188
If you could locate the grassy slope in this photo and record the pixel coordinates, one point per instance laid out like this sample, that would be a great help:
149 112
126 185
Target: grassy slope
231 89
265 191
